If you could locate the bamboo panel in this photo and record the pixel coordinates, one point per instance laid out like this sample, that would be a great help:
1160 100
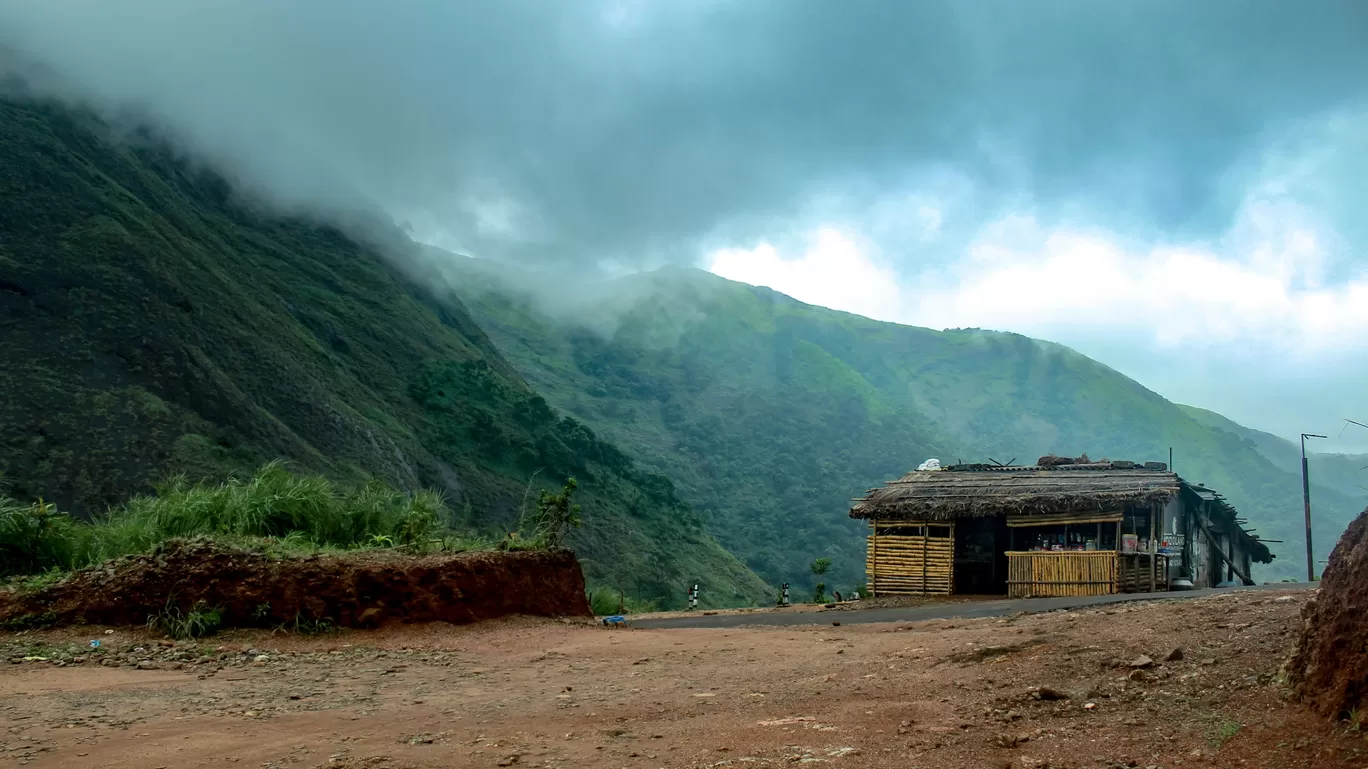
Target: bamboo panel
1036 574
1134 574
899 564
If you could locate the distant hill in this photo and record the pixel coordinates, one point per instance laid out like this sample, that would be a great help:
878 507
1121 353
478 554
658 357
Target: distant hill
771 414
151 323
1345 474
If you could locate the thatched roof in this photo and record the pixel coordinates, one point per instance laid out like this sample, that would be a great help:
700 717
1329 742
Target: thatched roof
976 491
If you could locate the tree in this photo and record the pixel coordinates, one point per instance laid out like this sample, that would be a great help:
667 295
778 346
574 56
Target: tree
820 567
554 516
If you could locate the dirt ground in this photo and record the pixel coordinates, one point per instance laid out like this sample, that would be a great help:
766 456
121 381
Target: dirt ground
546 693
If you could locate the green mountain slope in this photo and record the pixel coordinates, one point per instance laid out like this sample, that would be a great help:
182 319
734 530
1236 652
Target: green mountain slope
1346 474
151 323
771 413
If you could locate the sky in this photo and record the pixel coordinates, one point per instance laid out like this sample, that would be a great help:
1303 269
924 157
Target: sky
1175 189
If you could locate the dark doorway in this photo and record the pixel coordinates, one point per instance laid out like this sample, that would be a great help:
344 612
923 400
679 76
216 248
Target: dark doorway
981 556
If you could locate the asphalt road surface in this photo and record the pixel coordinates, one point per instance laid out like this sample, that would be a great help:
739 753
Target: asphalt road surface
967 610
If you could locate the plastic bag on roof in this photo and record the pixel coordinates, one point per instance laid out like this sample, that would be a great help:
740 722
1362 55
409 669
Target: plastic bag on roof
930 464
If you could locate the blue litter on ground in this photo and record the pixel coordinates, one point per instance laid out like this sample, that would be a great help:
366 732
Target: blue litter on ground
616 619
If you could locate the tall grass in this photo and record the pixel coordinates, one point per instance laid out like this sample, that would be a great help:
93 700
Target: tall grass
605 601
272 503
36 538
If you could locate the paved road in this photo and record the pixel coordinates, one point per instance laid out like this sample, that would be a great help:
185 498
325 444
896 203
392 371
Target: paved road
939 611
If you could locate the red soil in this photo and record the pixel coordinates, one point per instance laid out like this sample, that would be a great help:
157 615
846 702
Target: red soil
1330 667
353 590
961 694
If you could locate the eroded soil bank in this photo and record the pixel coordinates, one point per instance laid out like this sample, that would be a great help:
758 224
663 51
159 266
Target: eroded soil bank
364 589
1330 668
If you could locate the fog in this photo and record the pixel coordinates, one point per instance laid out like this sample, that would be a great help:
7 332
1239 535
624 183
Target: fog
621 135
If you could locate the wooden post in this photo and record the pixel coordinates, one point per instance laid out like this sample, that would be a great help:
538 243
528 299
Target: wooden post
874 557
1154 551
1116 546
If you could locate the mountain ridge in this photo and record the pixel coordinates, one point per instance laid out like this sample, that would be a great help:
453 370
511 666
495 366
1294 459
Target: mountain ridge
625 360
152 321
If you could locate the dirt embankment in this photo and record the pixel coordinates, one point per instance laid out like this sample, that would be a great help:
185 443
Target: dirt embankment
1330 667
367 589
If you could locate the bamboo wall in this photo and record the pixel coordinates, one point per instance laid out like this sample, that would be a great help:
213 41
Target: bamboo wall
1142 573
898 564
1033 574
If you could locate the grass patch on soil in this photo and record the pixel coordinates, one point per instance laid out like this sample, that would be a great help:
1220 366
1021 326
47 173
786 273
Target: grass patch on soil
1224 731
272 510
200 621
29 621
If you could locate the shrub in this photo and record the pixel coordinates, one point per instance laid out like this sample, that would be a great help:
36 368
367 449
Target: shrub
819 567
607 601
36 538
552 518
202 620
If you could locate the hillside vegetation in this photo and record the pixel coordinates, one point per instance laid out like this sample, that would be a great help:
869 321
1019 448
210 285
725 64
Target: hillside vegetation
153 323
772 413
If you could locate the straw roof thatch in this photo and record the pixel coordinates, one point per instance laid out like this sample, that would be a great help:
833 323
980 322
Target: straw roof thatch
978 491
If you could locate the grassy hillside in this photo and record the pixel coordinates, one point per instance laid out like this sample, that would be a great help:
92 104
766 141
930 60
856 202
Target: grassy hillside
771 413
151 323
1338 481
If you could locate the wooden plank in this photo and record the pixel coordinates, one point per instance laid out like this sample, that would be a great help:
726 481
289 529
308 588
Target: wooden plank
1054 519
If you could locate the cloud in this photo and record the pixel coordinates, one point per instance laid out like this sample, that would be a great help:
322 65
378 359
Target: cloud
835 271
634 131
1166 171
1246 325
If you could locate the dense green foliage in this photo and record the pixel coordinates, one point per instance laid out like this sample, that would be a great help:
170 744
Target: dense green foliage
153 323
771 414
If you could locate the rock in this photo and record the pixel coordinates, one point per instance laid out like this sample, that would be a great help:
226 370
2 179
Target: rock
146 665
1048 693
1138 675
1140 662
1175 654
1006 741
837 623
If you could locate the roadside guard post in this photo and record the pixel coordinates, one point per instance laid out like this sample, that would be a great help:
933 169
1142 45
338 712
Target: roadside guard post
693 597
786 595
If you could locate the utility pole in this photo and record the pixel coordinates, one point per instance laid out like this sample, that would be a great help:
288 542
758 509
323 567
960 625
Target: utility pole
1306 501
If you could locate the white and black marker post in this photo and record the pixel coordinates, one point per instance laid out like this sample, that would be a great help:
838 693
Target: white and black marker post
693 597
786 595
